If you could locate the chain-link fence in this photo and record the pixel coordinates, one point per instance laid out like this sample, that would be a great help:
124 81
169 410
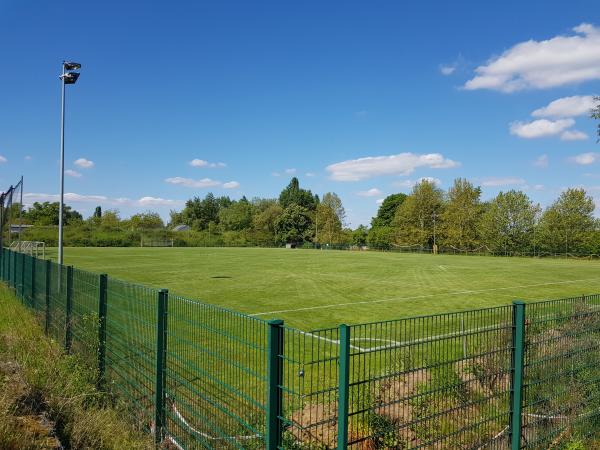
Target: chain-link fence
201 376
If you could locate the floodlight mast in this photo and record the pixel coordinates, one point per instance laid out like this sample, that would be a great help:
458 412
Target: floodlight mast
66 78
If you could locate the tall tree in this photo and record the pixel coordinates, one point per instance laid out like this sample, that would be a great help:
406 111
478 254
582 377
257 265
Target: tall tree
567 225
98 211
328 226
460 219
508 223
46 213
331 200
294 195
417 218
237 216
294 224
387 210
148 220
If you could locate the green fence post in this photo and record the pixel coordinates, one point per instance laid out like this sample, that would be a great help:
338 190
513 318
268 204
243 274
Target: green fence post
47 285
32 292
69 310
516 379
102 331
23 277
344 387
161 360
14 272
275 381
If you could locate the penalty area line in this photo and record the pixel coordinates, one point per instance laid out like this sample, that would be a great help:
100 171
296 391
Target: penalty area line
417 297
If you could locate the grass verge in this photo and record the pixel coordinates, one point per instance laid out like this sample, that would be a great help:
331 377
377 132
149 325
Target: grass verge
48 399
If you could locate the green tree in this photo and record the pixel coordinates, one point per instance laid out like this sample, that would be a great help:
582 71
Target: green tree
98 211
508 223
46 213
294 195
360 235
110 219
199 213
461 216
331 200
327 225
568 224
381 237
293 225
237 216
417 218
148 220
266 219
387 210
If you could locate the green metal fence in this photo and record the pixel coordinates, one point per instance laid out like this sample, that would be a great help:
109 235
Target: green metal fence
201 376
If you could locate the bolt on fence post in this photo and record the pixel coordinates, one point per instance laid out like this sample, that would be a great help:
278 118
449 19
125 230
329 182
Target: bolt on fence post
516 379
344 387
102 307
69 310
161 360
47 285
275 381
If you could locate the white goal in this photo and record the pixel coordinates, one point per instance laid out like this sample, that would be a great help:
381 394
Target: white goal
33 248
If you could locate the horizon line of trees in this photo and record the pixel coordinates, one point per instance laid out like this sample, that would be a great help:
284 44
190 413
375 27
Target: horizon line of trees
457 219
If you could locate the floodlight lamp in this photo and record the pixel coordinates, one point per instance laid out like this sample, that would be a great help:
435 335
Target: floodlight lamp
70 77
70 65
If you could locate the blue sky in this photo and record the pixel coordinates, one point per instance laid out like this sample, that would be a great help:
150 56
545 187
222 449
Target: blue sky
358 98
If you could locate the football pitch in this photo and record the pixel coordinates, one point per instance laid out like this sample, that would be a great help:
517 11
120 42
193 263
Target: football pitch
311 289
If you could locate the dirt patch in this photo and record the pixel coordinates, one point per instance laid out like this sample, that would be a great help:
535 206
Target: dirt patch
316 424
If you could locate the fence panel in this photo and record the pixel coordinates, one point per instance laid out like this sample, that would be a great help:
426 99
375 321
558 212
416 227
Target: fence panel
131 348
216 376
562 371
84 315
58 302
310 387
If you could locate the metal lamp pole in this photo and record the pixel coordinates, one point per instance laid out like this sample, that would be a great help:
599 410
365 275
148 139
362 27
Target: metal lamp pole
66 78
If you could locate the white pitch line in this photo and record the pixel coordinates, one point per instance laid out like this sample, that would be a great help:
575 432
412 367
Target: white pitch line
416 297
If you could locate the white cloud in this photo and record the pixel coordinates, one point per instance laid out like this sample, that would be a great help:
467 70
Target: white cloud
28 158
373 192
189 182
586 159
540 128
400 164
156 201
573 135
72 173
558 61
310 174
202 163
203 183
379 201
542 161
290 171
231 185
3 159
84 163
447 69
71 197
507 181
577 105
275 174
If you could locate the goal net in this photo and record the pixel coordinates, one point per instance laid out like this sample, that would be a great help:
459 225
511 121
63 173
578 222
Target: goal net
12 224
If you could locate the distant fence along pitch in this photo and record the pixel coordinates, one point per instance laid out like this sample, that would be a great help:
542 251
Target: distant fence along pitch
201 376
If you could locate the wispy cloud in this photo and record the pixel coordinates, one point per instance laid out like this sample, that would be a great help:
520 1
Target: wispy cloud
373 192
585 159
310 174
559 61
542 161
72 173
28 158
203 163
290 171
231 185
573 135
74 198
505 181
3 159
577 105
408 184
540 128
84 163
400 164
202 183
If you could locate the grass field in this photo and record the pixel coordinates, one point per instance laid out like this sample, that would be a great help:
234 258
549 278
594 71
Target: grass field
312 289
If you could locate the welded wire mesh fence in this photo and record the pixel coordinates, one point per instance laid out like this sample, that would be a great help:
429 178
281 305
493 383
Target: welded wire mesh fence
201 376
